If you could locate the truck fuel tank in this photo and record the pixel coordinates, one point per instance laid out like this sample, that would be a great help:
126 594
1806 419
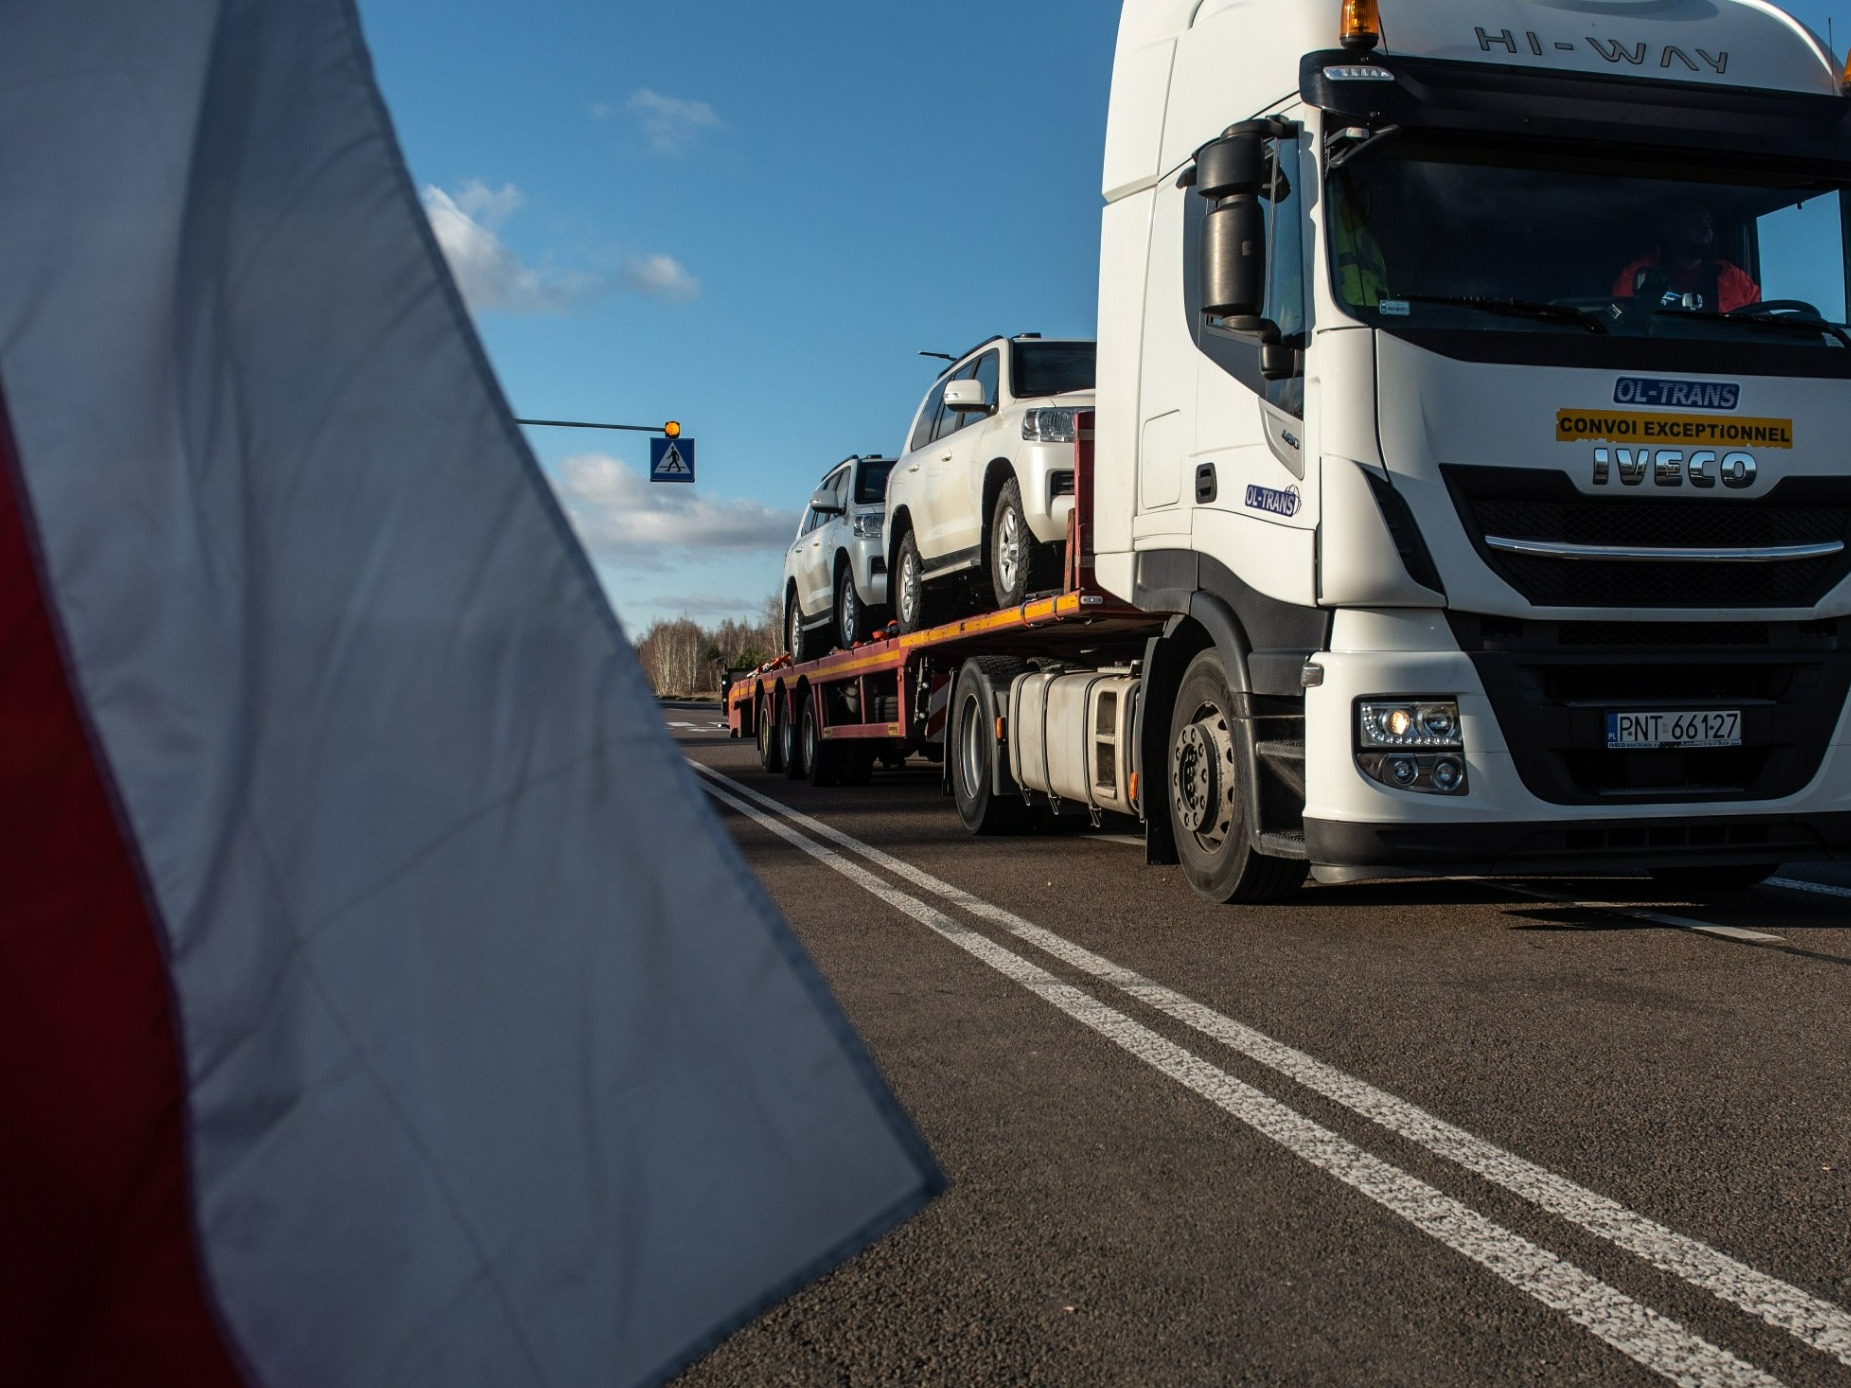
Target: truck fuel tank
1070 736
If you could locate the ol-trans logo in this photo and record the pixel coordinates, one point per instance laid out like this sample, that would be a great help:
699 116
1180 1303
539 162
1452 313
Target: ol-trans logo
1661 441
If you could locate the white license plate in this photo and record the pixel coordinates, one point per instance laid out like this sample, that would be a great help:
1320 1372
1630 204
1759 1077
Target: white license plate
1684 728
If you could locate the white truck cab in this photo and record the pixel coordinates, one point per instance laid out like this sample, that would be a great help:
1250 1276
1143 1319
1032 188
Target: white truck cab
1472 384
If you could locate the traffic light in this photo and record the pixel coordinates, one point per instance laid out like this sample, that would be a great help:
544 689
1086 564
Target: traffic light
672 428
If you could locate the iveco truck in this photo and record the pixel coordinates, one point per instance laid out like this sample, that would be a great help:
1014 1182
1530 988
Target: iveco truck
1471 473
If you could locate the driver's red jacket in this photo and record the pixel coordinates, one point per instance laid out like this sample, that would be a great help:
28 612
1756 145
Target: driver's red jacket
1733 289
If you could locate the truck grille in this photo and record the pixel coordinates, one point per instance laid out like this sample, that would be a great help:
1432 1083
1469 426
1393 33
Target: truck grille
1551 685
1539 505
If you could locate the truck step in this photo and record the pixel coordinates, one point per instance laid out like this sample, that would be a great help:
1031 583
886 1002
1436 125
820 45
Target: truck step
1286 759
1287 844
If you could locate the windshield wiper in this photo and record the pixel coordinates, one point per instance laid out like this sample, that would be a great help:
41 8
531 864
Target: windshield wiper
1512 308
1804 322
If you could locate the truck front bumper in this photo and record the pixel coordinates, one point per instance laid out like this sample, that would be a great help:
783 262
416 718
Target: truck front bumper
1597 847
1507 822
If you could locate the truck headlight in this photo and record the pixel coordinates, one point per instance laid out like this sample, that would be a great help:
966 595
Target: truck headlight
1412 744
868 525
1048 426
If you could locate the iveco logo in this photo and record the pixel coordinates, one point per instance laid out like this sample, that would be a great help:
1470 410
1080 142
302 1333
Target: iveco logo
1672 467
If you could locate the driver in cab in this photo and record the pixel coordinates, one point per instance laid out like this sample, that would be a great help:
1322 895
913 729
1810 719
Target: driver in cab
1684 270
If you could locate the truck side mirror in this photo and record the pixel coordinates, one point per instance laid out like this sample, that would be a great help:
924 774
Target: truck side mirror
823 502
1229 172
966 397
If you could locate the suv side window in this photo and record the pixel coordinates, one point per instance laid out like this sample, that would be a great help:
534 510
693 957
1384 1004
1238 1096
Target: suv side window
838 484
986 375
950 421
928 417
809 523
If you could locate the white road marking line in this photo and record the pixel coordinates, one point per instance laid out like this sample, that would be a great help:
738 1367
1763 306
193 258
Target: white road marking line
1819 1323
1727 932
1636 1330
1795 884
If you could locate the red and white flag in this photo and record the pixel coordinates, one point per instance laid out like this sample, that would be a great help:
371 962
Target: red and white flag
379 1001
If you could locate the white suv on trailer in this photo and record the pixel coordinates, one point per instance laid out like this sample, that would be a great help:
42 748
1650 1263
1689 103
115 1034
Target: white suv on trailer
835 572
985 485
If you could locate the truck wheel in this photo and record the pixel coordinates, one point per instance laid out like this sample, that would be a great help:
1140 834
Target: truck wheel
1207 805
770 738
1012 547
822 760
790 736
1721 877
916 606
796 640
971 747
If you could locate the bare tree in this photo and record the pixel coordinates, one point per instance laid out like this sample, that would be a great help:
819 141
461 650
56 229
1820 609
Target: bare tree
681 657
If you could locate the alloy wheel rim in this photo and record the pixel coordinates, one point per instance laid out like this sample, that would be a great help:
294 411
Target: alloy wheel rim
849 615
1009 549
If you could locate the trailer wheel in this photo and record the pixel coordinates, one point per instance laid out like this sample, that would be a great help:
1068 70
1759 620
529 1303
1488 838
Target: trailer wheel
791 735
822 760
770 740
970 747
1207 803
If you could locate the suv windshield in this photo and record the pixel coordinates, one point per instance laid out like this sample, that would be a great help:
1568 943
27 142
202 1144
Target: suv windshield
1050 368
1427 235
871 481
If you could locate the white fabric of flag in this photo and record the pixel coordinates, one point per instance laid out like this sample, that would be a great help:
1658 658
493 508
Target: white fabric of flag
502 1068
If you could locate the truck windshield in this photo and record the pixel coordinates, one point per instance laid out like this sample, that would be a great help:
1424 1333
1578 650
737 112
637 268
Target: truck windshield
1457 237
1050 368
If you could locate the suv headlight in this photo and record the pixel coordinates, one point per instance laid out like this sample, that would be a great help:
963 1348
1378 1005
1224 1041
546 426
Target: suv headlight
1412 744
868 525
1048 426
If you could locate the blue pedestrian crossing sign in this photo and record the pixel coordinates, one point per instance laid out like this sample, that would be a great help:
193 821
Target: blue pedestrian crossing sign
671 460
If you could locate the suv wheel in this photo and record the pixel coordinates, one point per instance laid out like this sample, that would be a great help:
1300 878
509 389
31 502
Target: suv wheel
852 619
914 602
1012 547
794 637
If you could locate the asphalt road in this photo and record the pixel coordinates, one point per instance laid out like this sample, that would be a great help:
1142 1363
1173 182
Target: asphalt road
1431 1132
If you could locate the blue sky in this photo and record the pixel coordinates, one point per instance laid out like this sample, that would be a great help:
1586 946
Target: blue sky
750 217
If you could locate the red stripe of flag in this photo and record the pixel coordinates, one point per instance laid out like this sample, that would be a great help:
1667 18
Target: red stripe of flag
100 1283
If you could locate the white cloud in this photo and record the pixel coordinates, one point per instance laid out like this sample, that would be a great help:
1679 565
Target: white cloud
671 123
659 277
629 522
490 275
601 111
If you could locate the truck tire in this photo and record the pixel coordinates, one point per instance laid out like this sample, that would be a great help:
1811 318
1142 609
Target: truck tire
1011 549
770 739
790 736
822 760
1207 804
970 747
914 602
